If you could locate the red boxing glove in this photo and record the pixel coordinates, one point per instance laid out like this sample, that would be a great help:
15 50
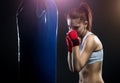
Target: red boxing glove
72 34
72 39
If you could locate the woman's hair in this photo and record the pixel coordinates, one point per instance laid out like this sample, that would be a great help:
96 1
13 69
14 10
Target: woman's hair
83 8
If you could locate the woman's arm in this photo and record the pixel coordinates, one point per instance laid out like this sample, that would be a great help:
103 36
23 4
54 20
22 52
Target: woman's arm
77 59
70 61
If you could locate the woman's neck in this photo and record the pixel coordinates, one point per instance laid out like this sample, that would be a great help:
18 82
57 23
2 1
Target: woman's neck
84 33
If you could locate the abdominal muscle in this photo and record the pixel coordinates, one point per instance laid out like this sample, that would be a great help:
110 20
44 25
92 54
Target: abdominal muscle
91 73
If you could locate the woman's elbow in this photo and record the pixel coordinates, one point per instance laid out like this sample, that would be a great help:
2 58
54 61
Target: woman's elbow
77 69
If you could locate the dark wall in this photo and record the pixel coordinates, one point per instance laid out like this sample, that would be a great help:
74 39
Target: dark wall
9 70
8 42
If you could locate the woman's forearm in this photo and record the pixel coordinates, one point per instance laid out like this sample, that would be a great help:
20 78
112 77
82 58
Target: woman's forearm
70 61
74 60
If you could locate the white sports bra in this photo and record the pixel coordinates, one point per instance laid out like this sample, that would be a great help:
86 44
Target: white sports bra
96 55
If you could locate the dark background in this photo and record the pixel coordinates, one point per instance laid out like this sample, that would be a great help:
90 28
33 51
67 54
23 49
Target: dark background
106 25
8 41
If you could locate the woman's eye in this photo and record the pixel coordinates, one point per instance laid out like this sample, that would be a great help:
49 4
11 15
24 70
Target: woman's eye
75 27
81 18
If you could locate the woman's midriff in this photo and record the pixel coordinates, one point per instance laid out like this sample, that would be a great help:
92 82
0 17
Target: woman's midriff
91 73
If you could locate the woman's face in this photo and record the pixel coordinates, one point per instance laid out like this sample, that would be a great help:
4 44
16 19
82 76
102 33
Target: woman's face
77 24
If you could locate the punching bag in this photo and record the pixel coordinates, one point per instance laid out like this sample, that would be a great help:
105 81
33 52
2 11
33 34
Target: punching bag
46 40
38 24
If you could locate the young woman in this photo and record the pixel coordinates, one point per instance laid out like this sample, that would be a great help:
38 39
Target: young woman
85 50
